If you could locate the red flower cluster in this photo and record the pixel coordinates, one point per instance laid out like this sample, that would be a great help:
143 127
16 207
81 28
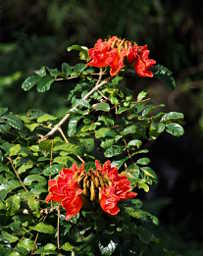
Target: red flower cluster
118 190
66 191
71 184
112 52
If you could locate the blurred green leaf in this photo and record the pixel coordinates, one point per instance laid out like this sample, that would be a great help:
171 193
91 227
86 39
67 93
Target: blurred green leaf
175 129
13 121
30 82
102 106
164 74
172 116
8 237
26 244
45 118
104 132
45 83
44 228
141 95
143 161
114 150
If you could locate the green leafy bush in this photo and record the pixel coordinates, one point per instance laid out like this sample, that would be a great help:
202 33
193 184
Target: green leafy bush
104 120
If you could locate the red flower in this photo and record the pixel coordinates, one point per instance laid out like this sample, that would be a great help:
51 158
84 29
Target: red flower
143 63
104 55
104 184
65 190
118 190
112 52
99 54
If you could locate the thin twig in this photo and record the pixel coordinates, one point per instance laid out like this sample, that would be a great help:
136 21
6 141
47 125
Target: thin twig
66 140
35 243
65 118
17 175
51 153
58 227
63 135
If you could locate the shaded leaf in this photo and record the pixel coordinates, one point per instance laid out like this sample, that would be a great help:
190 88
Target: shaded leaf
164 74
102 106
44 228
172 116
104 132
143 161
26 244
114 150
30 82
14 121
72 125
45 83
175 129
45 118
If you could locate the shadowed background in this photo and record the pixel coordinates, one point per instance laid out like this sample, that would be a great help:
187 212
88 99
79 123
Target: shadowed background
36 33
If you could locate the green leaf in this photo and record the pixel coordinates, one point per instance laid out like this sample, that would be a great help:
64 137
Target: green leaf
143 161
88 144
24 167
67 247
172 116
14 121
26 244
53 72
3 111
45 118
68 148
104 132
102 106
34 205
64 160
66 69
119 163
44 228
141 95
149 172
32 127
132 129
49 247
35 178
72 125
4 128
7 187
136 143
30 82
114 150
1 156
107 143
164 74
13 204
175 129
144 186
109 249
15 254
41 72
52 170
77 69
45 83
82 49
8 237
156 129
14 150
133 172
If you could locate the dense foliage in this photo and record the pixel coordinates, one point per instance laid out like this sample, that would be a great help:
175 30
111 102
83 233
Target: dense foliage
103 119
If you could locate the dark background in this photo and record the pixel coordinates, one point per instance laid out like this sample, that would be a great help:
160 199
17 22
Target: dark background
36 33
